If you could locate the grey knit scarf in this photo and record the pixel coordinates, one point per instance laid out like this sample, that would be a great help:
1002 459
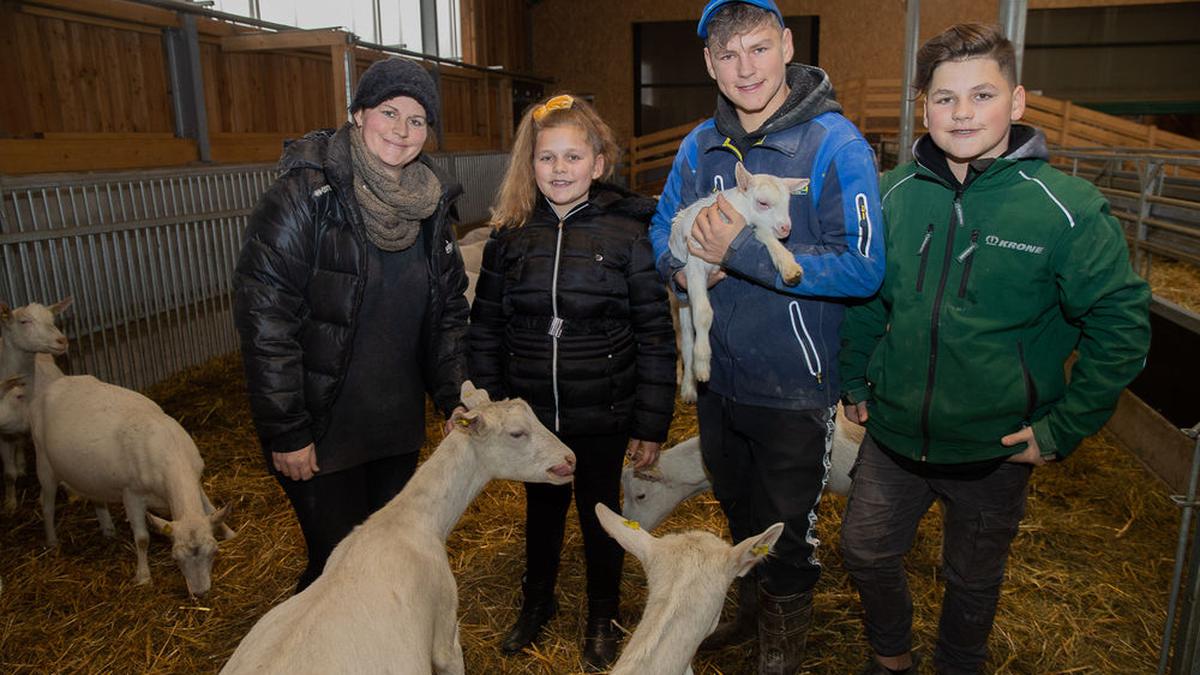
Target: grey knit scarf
394 199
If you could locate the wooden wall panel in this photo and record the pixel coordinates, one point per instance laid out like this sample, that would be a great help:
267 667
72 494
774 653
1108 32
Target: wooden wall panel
496 33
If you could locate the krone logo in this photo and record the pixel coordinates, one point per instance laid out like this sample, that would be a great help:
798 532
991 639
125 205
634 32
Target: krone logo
993 240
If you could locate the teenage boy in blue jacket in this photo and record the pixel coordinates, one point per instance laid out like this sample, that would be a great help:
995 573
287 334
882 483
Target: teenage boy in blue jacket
767 414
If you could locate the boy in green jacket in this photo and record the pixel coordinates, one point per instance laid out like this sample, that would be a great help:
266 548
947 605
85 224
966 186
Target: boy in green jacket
998 267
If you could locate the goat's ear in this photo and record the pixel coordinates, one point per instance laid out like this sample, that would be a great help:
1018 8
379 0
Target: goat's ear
473 397
753 550
469 421
742 176
796 186
159 525
217 517
12 383
62 305
5 312
628 533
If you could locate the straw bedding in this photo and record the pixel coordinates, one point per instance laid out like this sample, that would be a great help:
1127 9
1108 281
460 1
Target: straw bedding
1086 587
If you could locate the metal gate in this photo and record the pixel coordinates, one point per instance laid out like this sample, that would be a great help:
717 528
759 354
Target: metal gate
149 256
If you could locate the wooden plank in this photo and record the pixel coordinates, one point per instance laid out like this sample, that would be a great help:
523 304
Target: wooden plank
19 156
31 98
75 17
291 39
1160 445
232 148
104 136
117 9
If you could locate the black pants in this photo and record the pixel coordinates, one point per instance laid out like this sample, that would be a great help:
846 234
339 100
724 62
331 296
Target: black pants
768 466
980 519
598 461
328 506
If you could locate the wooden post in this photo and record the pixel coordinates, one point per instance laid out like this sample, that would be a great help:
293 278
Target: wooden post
1064 133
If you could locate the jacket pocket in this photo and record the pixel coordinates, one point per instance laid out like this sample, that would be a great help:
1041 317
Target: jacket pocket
967 258
1031 395
812 358
923 251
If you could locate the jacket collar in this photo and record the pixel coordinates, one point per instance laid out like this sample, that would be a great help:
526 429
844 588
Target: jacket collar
810 94
1024 143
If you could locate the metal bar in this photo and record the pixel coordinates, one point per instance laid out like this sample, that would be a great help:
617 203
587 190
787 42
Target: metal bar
116 227
1012 20
912 28
1180 553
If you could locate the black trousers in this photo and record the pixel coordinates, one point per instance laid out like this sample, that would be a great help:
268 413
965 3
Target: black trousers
598 461
768 466
329 506
980 519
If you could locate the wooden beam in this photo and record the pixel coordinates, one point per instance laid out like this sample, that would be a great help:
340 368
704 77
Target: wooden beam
291 39
118 10
19 156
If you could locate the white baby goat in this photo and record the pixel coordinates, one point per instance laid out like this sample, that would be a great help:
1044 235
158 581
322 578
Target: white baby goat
109 444
652 494
688 574
14 408
387 600
29 340
762 200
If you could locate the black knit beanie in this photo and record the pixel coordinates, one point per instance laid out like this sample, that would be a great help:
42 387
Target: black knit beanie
394 77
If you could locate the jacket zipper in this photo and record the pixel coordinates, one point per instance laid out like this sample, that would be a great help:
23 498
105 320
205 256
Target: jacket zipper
812 358
934 324
967 257
924 253
556 322
1030 386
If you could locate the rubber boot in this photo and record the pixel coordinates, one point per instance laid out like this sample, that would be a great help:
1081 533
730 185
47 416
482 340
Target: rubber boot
783 623
537 609
743 627
601 637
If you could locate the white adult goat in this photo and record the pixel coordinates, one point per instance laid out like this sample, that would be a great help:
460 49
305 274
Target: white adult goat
652 494
110 444
688 574
29 340
762 200
387 600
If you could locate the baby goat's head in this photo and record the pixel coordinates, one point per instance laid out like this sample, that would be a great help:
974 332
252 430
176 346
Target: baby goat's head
14 417
510 441
193 546
768 198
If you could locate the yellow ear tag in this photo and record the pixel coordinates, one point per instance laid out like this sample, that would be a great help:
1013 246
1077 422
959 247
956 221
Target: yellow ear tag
633 525
167 529
463 422
761 550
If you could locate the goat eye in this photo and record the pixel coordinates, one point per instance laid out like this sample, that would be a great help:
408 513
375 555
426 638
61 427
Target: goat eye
640 497
763 205
517 434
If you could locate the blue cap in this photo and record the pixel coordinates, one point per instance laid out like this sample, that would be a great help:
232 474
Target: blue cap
713 5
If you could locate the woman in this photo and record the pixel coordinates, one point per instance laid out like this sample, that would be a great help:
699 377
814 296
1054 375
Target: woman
349 301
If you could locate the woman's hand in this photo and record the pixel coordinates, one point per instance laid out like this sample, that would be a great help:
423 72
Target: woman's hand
643 454
298 465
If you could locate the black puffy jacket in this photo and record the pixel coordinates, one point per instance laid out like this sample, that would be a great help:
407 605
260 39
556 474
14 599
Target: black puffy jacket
299 283
612 367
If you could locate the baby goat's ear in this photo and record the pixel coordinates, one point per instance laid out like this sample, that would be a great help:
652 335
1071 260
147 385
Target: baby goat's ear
468 421
753 550
471 397
742 176
62 305
796 186
628 533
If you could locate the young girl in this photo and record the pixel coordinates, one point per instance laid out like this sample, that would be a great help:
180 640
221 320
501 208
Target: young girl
570 315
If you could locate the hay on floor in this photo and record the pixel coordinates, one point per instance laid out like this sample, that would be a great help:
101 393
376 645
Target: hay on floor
1086 589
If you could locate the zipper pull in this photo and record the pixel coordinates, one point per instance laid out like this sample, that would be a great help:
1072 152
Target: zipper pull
926 240
958 210
962 257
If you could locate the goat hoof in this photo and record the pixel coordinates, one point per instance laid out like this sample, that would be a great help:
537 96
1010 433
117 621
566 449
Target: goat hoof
794 278
139 580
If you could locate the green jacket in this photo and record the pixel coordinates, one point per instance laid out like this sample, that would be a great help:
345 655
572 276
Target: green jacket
988 290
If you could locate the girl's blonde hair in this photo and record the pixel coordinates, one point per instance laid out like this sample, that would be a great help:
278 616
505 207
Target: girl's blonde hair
519 189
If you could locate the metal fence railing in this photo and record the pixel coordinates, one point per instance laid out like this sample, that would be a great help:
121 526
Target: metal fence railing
149 256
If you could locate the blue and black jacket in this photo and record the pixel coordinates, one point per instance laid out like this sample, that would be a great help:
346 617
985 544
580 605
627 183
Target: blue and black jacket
776 345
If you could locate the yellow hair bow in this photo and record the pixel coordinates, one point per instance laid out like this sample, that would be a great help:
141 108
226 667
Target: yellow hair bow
560 102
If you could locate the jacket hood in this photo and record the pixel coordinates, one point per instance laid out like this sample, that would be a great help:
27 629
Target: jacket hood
810 94
1024 142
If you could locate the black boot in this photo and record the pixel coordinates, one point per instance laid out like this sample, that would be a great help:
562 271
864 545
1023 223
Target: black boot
601 636
743 627
783 622
536 611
